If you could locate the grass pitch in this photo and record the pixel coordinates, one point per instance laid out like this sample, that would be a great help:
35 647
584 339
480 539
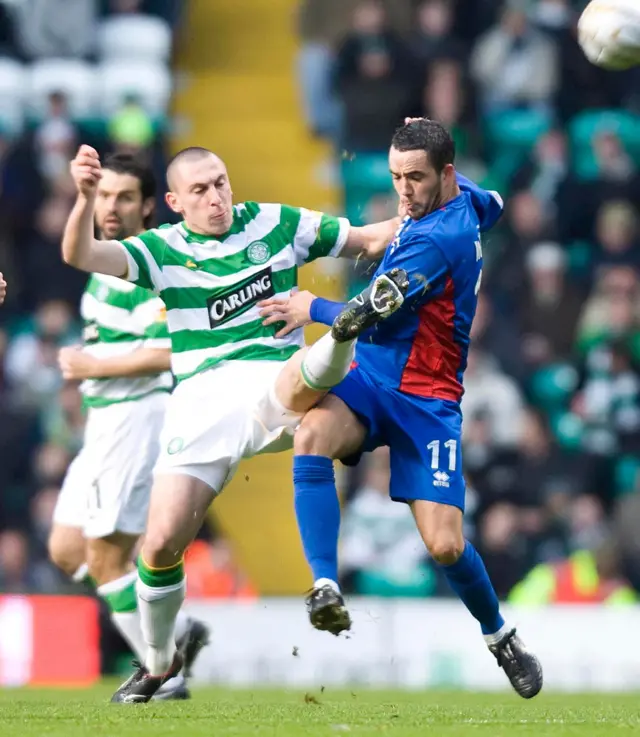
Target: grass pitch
214 712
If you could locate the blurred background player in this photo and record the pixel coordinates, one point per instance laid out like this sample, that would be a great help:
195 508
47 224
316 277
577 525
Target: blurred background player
124 367
242 386
405 390
3 288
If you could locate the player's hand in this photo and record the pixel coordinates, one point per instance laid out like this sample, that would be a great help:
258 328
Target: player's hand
293 312
413 120
86 170
3 288
75 364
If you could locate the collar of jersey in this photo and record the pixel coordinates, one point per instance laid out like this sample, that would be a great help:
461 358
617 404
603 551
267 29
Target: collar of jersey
237 226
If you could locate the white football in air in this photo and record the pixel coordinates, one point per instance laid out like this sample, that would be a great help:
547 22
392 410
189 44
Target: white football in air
609 33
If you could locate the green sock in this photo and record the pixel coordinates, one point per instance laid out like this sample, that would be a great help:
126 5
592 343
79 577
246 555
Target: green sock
120 596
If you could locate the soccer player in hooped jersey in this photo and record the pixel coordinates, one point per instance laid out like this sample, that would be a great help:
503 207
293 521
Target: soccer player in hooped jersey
124 367
405 389
242 385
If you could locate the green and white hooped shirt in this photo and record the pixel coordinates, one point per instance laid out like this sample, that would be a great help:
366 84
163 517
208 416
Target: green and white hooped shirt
119 318
211 285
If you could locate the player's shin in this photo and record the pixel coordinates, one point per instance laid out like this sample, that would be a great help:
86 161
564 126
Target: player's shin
318 514
120 596
160 596
327 362
469 579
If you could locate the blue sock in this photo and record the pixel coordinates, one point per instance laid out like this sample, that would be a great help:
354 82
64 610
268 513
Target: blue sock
318 513
469 579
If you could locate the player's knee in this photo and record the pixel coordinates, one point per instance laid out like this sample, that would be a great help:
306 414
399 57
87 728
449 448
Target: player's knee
310 439
446 549
161 549
66 557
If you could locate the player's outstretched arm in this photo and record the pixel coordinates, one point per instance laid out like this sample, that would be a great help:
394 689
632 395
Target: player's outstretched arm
76 365
370 241
79 247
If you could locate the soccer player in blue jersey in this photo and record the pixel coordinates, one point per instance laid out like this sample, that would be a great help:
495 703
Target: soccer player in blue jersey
404 391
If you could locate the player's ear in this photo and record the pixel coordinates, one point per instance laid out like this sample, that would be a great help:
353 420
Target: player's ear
448 172
172 202
147 207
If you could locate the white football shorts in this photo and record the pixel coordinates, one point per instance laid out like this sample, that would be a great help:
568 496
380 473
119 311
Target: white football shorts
108 485
218 417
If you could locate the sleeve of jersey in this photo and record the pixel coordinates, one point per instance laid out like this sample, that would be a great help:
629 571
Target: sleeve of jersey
488 204
144 260
152 317
427 269
317 235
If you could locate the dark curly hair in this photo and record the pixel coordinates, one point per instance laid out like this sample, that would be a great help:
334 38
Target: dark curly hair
426 135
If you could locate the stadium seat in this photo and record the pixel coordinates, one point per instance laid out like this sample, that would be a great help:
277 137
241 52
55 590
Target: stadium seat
363 176
511 134
553 385
149 82
140 36
12 95
588 124
75 79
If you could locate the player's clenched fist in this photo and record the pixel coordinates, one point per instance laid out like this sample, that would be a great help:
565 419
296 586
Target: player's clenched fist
3 288
75 364
86 170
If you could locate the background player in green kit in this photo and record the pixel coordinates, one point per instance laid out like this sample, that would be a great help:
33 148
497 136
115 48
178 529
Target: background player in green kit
124 367
242 387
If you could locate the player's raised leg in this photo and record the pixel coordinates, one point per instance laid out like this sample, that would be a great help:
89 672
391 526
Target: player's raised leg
178 506
310 373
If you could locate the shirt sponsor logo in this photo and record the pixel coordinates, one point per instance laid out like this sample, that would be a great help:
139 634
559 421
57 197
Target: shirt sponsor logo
240 297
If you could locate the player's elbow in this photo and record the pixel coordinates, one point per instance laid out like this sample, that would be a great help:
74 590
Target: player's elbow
71 257
73 254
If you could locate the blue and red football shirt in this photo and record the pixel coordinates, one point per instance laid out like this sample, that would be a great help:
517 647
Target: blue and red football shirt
422 349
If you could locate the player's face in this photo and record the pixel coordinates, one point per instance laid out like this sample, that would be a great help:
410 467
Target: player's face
120 210
419 186
202 195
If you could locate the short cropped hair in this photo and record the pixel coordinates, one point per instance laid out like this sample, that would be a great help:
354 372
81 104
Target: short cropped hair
426 135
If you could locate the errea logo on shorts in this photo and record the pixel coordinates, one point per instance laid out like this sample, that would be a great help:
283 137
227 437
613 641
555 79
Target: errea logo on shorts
239 298
441 478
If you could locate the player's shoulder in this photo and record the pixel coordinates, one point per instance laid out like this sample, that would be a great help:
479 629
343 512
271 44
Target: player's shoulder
100 284
250 209
157 236
455 225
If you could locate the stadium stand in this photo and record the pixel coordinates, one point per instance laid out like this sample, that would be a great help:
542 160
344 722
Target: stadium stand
552 435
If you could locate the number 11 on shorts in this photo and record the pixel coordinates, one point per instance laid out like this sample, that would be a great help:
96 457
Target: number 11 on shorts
434 447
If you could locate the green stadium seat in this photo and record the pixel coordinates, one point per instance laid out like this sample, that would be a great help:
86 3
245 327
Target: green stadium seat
366 171
551 387
590 123
511 134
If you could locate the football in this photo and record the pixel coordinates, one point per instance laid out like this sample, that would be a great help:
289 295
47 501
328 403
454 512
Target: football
609 33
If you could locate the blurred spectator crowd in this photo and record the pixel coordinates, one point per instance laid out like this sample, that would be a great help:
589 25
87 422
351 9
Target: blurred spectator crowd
552 403
70 72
